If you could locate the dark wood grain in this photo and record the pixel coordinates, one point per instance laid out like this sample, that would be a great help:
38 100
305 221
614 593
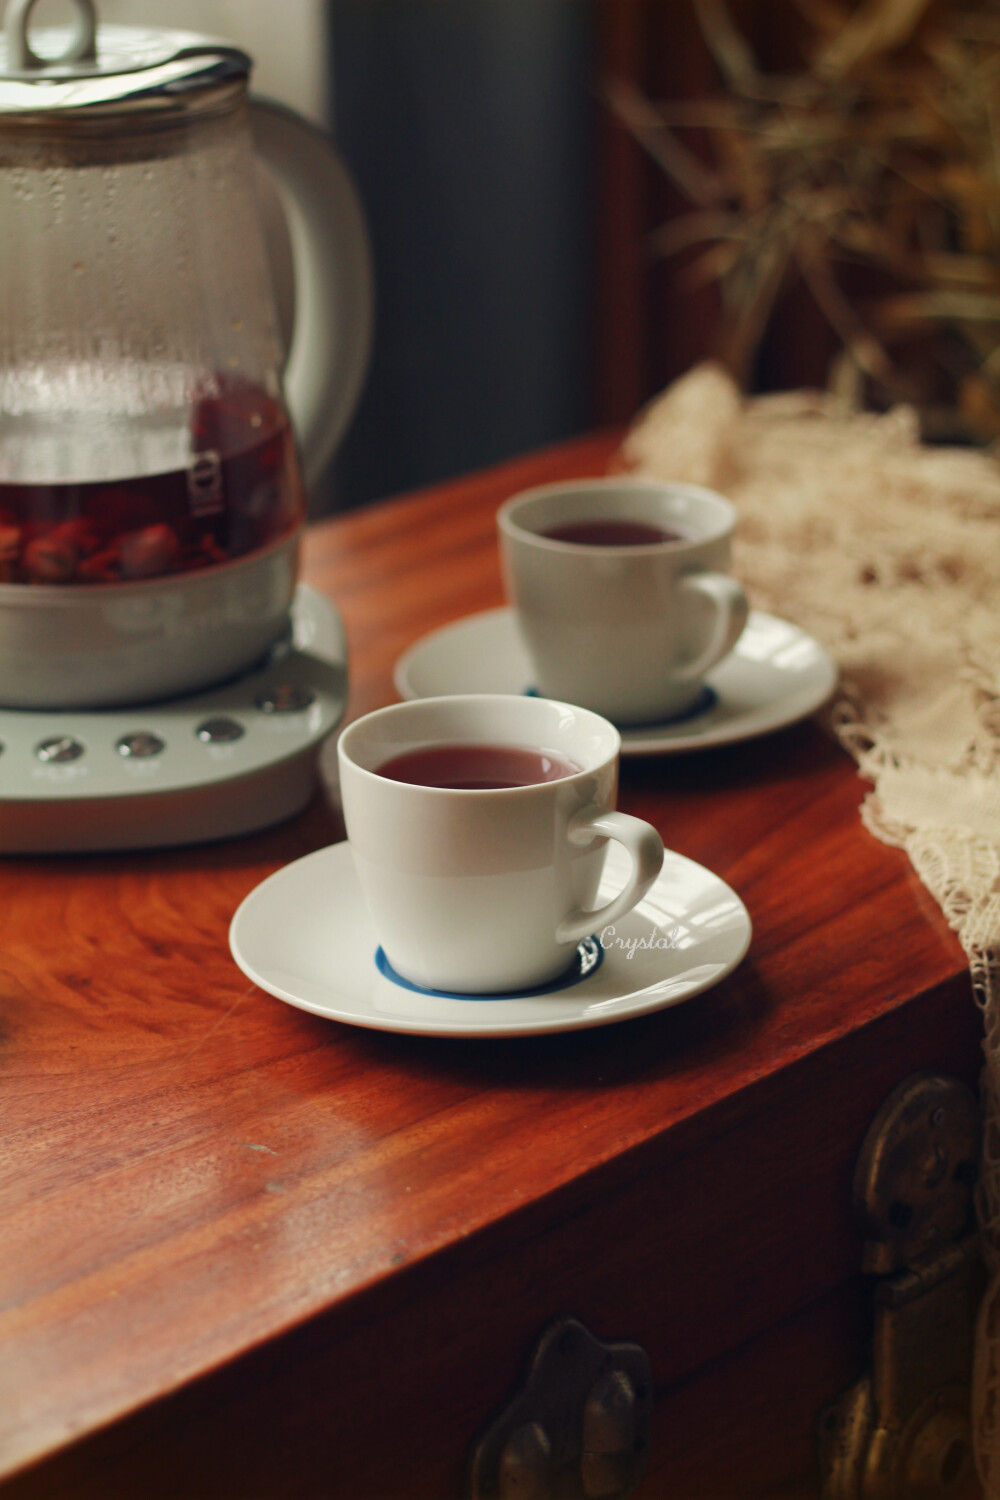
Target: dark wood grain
243 1251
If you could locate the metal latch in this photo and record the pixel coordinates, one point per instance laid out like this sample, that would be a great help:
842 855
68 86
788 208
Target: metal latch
903 1431
577 1430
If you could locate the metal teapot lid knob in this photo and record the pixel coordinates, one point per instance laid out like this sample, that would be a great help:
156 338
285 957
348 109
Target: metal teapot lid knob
81 46
87 66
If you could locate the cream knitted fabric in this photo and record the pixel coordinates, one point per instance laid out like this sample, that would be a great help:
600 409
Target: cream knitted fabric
889 553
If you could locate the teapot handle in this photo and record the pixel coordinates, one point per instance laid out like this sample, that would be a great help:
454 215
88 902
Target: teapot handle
332 331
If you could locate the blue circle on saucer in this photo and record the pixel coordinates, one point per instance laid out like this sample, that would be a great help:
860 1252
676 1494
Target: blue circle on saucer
705 700
586 961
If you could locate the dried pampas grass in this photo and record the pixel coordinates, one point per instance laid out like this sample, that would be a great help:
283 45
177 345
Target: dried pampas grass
872 176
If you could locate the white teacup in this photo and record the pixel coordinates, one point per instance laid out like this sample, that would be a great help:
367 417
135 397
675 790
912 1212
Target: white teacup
488 889
629 630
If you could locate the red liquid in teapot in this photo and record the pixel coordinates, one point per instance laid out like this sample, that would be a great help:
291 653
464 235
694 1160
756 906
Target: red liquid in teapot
476 768
240 491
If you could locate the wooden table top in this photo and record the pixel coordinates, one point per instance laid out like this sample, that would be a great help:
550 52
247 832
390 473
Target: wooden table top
190 1167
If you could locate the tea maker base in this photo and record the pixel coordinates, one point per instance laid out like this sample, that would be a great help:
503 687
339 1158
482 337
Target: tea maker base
228 760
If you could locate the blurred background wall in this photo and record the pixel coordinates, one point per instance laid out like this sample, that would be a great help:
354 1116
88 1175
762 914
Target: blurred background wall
469 128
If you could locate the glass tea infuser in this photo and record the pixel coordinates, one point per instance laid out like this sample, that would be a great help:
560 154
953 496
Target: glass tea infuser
162 677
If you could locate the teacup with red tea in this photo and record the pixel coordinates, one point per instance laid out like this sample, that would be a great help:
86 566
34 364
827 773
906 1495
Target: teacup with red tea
622 592
478 826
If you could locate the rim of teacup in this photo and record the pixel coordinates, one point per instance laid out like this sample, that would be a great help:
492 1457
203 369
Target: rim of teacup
415 708
512 522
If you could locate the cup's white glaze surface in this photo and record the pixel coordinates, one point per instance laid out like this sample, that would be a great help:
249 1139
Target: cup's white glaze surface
479 891
629 632
107 645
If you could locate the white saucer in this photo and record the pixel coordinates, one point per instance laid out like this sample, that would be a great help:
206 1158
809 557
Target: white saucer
776 675
305 936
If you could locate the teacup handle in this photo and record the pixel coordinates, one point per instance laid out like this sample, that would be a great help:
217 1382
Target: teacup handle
643 844
731 613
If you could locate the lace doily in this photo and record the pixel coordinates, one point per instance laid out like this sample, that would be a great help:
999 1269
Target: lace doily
889 553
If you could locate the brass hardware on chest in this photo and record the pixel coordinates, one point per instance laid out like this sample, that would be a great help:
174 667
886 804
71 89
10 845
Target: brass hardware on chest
902 1433
577 1430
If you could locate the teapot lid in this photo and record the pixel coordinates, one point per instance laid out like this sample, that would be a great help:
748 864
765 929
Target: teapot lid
82 66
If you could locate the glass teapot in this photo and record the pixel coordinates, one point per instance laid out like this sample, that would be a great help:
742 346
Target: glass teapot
151 495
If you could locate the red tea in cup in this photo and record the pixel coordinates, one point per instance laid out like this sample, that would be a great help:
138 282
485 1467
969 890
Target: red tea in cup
476 768
613 532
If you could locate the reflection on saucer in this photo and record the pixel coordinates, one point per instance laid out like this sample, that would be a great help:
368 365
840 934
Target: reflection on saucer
776 675
588 957
707 699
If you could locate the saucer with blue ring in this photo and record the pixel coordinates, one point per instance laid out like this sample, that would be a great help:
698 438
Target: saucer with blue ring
775 675
305 937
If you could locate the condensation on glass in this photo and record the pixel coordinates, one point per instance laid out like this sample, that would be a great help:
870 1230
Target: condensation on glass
142 425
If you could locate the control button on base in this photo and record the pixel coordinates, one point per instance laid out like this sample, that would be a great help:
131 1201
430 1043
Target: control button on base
219 731
140 745
59 749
